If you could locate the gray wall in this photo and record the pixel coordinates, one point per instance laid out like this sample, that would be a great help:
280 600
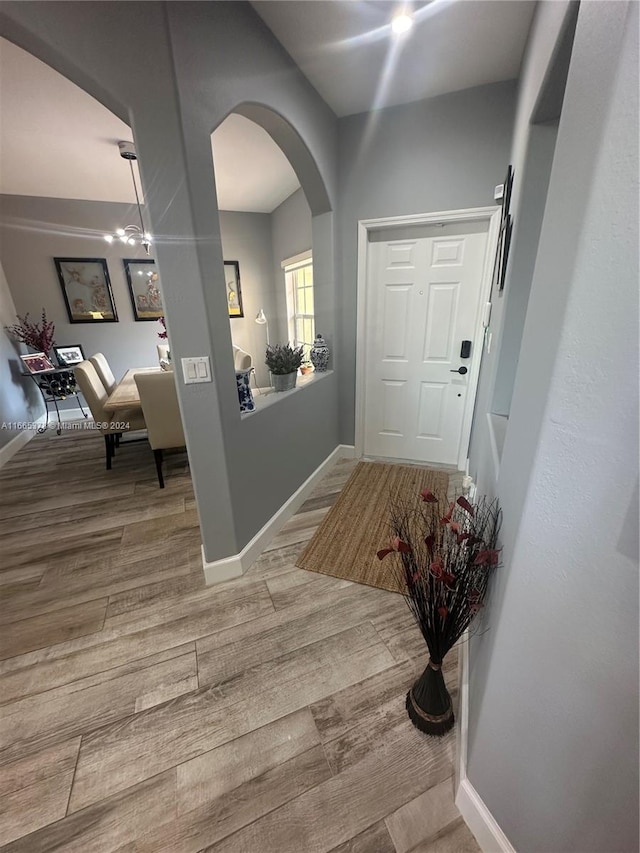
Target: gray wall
246 238
20 401
444 153
553 739
35 230
291 234
208 60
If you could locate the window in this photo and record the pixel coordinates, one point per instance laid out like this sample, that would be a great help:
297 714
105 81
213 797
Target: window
298 273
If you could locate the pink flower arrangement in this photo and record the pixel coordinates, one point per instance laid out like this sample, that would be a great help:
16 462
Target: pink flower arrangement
163 334
38 336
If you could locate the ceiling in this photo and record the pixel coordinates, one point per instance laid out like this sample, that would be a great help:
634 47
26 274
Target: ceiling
347 51
57 141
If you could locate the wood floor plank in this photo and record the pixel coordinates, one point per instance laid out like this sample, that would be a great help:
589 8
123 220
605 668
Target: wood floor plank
288 588
219 661
456 838
344 806
424 817
36 672
35 768
79 707
27 809
49 629
118 756
232 810
375 839
110 825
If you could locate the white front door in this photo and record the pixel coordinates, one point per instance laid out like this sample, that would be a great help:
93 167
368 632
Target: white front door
423 302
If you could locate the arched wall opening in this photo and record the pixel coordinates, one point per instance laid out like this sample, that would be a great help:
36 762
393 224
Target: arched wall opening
243 471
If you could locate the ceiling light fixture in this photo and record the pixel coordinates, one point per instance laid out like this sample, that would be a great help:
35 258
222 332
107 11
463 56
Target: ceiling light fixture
401 23
132 235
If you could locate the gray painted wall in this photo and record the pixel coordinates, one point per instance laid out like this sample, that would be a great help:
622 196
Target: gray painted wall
20 401
246 238
208 59
35 230
444 153
553 737
543 43
291 234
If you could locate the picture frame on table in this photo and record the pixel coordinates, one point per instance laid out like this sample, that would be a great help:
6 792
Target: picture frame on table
234 288
37 362
144 288
86 289
69 355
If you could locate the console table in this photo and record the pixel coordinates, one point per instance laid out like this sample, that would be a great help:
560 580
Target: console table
54 385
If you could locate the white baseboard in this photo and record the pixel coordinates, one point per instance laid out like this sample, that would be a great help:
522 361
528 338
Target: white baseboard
13 446
480 821
477 816
236 565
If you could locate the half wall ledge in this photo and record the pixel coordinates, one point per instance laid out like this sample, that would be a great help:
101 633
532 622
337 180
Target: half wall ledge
265 397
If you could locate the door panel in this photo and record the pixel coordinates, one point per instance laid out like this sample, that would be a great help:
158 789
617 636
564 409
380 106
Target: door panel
422 302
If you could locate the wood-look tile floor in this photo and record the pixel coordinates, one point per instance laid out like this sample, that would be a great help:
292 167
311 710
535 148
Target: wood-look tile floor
143 711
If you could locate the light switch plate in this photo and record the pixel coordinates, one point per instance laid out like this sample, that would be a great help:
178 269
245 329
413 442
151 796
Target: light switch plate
196 369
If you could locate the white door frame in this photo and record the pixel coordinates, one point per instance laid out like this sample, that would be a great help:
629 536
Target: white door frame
489 214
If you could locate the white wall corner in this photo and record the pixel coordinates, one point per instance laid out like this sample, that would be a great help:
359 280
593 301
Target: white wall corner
236 565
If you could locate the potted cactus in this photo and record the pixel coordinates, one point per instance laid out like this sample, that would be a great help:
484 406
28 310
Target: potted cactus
283 361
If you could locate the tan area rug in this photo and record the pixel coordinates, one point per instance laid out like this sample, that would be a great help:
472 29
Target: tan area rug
357 525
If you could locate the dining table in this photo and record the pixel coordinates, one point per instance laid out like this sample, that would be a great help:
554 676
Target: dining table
125 395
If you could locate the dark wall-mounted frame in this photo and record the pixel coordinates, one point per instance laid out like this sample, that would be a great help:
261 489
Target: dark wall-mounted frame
69 355
504 237
234 289
86 289
144 288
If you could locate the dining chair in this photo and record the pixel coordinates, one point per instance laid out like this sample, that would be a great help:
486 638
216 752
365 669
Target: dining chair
110 425
104 371
159 401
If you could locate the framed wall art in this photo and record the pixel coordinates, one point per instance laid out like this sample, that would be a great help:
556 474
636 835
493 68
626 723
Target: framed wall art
86 289
234 290
69 355
144 288
504 237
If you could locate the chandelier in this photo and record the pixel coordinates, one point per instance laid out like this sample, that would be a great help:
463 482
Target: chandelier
132 235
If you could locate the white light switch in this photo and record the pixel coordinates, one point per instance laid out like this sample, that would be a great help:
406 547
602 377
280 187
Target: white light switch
196 369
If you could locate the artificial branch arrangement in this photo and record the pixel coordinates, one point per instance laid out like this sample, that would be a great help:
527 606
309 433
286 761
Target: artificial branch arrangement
446 552
38 336
163 335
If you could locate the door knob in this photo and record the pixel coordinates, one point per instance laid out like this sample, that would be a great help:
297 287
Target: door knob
461 370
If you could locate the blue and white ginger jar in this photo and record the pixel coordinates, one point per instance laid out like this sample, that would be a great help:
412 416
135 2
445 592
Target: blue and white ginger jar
320 355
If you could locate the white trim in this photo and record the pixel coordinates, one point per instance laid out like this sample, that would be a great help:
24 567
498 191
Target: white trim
15 444
490 214
297 260
462 722
477 816
480 821
237 564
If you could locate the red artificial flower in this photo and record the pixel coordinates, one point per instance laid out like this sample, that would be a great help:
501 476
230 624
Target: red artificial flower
428 496
443 611
429 541
399 545
487 557
436 568
448 579
396 545
447 518
461 537
464 503
455 527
